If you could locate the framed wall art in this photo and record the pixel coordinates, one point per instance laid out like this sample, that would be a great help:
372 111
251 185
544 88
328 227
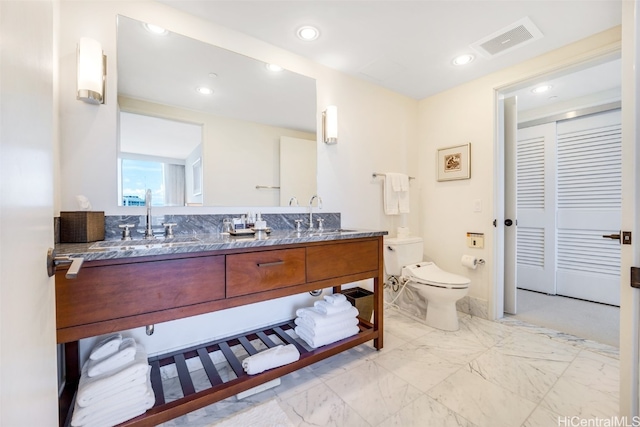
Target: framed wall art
454 162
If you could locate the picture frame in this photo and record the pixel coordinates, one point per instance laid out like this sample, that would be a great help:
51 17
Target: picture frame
197 177
454 162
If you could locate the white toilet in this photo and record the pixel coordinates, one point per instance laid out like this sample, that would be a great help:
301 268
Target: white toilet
441 289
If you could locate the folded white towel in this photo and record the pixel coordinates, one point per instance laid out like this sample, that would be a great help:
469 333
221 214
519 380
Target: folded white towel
91 390
335 298
390 198
106 347
331 309
319 341
320 319
124 355
325 329
396 193
271 358
136 399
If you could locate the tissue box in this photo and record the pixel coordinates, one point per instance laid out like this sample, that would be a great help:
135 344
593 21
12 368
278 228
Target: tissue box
81 226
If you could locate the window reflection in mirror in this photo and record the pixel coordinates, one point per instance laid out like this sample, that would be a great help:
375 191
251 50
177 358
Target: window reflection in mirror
158 154
241 123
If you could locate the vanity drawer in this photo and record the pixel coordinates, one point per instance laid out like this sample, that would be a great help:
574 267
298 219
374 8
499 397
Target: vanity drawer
341 259
101 293
263 271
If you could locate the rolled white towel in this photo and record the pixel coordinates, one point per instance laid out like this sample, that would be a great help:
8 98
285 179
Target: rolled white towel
324 329
324 339
331 309
271 358
125 354
335 298
135 400
106 347
91 390
320 319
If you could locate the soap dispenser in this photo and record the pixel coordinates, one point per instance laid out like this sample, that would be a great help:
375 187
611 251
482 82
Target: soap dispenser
260 224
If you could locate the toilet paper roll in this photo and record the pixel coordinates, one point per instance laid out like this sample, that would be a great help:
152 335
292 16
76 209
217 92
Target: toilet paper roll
402 231
469 261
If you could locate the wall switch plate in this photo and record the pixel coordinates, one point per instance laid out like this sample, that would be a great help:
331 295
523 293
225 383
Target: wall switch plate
477 205
475 240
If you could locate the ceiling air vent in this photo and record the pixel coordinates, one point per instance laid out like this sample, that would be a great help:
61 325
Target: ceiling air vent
515 35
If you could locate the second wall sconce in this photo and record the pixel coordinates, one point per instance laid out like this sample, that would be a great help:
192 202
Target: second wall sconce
92 71
330 125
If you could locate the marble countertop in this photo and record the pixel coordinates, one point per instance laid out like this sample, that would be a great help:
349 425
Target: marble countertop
112 249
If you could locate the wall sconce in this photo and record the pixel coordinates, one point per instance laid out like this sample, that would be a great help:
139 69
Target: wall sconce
92 70
330 125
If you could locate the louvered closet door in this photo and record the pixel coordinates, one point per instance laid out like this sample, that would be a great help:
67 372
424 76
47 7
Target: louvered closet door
589 202
535 202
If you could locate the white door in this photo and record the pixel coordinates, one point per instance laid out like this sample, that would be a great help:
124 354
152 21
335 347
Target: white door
510 114
297 170
536 205
589 201
27 312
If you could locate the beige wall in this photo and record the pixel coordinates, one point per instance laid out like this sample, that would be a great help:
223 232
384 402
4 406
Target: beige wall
467 113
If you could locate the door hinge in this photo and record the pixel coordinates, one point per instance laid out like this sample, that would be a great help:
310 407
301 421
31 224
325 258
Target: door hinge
635 277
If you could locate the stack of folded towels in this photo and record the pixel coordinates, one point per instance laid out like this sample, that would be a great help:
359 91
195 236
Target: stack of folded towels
114 384
327 321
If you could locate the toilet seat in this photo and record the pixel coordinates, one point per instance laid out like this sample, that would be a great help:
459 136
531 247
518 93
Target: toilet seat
427 273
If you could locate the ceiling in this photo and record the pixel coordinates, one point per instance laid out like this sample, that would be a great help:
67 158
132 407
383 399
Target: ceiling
408 46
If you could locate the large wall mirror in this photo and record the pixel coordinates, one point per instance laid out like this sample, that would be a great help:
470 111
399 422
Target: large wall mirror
251 142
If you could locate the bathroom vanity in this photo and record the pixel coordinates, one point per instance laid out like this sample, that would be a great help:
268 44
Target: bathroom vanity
124 285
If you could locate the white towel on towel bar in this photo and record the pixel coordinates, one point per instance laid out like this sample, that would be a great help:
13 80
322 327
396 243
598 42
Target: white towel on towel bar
316 341
396 193
91 390
106 347
316 318
124 355
272 358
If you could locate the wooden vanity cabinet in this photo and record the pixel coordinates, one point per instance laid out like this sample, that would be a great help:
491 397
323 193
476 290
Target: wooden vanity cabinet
117 294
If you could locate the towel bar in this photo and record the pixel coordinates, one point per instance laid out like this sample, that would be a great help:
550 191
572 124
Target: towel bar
377 174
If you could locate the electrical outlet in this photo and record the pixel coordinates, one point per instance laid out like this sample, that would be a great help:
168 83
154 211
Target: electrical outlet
475 240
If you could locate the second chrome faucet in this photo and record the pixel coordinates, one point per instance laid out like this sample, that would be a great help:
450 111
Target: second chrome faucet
315 196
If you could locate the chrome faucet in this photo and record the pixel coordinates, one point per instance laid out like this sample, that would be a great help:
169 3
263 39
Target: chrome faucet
315 196
293 199
148 232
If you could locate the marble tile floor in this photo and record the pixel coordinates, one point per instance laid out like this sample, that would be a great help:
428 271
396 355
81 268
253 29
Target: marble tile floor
505 373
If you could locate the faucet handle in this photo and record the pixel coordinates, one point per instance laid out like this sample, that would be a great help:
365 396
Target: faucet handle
320 224
298 224
168 229
126 232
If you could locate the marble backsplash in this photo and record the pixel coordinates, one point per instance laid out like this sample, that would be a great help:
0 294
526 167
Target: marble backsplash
202 224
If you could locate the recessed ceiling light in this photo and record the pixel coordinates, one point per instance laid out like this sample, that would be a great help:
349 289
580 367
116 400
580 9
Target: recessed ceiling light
155 29
204 90
273 67
463 59
541 89
308 33
213 75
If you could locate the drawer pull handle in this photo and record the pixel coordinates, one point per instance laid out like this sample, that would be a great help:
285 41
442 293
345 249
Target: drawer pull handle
270 264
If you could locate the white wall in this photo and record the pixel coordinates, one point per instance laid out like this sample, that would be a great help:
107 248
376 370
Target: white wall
467 113
377 133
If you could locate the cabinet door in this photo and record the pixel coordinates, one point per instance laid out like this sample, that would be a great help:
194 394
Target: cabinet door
341 259
263 271
117 291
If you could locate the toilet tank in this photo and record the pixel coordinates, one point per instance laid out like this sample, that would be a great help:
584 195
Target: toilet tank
399 252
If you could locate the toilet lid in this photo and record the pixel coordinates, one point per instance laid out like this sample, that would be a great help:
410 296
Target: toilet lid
430 273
